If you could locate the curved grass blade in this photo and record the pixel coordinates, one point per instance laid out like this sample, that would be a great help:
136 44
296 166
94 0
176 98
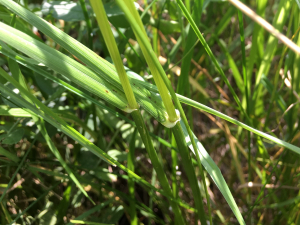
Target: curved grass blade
18 76
23 60
62 64
9 155
211 55
214 172
207 109
19 167
238 123
81 75
65 128
101 67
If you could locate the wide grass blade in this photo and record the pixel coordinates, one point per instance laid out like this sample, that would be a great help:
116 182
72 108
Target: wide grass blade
81 75
164 86
21 113
18 77
9 155
47 115
103 69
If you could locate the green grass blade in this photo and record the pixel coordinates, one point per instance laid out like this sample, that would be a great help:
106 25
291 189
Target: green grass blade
211 55
88 24
270 49
62 64
33 203
113 51
238 123
235 71
156 69
78 137
15 112
9 155
131 166
214 172
162 80
103 69
21 164
188 51
155 162
188 166
97 208
257 45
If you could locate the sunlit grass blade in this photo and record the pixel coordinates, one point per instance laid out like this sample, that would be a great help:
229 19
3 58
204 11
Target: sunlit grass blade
155 68
271 46
28 63
51 118
113 51
87 222
136 114
238 123
103 69
17 74
211 55
82 75
164 86
214 172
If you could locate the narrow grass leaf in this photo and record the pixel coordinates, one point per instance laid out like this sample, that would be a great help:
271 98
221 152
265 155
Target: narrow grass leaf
238 123
214 172
79 138
9 155
103 69
97 208
211 55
